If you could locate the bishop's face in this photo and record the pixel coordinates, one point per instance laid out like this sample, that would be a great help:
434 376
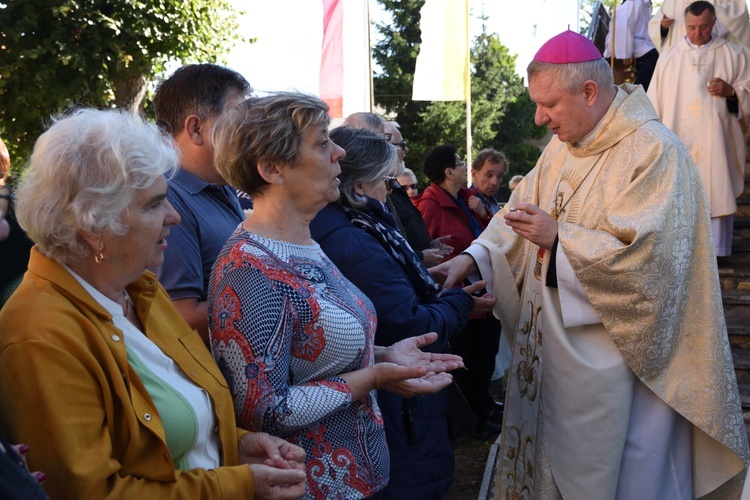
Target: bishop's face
699 27
567 114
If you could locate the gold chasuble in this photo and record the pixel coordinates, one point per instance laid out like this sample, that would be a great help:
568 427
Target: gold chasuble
634 227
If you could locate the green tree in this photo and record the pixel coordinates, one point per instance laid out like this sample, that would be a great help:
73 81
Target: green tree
502 115
58 53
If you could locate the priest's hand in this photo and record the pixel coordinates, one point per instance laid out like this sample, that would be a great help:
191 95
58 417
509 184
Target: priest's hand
720 88
534 224
454 271
666 22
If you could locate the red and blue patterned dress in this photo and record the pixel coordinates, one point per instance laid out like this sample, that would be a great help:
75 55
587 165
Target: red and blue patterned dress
285 323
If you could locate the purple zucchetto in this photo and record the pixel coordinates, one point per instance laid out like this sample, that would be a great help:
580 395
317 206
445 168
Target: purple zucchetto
567 47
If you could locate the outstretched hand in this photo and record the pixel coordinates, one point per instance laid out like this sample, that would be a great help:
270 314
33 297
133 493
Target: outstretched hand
408 352
432 257
409 381
440 245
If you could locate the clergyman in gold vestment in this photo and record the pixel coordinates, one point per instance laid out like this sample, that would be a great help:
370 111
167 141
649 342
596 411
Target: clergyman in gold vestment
621 382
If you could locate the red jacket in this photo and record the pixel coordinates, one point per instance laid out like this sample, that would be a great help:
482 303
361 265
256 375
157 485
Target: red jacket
443 216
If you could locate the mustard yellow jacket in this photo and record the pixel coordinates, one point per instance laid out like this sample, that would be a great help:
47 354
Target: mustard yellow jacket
67 390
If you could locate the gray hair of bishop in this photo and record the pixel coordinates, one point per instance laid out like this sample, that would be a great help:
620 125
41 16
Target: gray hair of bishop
84 173
368 157
571 77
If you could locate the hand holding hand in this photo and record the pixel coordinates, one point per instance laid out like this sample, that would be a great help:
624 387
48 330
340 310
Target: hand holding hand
534 224
262 448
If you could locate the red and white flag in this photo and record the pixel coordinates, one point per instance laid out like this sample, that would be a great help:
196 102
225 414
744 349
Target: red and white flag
345 74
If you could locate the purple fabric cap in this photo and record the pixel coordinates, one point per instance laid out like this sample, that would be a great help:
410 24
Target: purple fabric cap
567 47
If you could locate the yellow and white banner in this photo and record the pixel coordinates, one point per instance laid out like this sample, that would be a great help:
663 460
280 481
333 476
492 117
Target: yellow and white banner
442 71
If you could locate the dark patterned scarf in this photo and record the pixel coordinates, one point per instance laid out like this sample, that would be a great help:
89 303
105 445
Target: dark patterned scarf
377 222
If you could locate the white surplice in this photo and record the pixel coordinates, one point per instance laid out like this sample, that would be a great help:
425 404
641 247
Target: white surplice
703 122
732 22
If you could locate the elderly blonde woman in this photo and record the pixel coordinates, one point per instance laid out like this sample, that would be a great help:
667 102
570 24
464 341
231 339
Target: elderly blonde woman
99 374
292 335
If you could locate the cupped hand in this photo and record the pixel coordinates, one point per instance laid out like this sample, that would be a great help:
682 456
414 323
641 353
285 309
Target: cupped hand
534 224
440 244
432 257
281 484
408 352
409 381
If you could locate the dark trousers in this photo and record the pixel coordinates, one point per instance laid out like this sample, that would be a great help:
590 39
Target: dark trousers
477 344
644 68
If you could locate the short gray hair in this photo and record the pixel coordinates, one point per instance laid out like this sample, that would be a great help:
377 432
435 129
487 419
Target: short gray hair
408 173
368 157
268 129
366 120
571 77
515 180
84 172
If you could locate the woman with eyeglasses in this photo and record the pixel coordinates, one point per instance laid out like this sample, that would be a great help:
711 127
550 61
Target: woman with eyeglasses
444 203
358 234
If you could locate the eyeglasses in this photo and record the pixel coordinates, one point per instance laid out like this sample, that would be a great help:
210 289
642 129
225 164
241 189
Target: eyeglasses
389 182
462 164
401 145
388 136
414 186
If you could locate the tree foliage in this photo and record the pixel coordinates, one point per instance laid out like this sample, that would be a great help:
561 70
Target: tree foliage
502 114
58 53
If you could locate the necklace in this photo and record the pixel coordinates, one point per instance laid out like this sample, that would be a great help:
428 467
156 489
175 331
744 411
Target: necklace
127 302
557 209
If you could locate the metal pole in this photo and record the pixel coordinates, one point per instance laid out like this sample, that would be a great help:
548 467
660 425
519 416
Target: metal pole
369 62
467 78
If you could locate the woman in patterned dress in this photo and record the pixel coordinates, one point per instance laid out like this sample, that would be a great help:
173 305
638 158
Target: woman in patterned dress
293 337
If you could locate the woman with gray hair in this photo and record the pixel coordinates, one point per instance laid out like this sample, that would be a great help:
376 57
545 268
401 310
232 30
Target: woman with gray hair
359 235
98 372
293 337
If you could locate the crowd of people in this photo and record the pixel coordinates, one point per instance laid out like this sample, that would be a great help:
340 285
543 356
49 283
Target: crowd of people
333 340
